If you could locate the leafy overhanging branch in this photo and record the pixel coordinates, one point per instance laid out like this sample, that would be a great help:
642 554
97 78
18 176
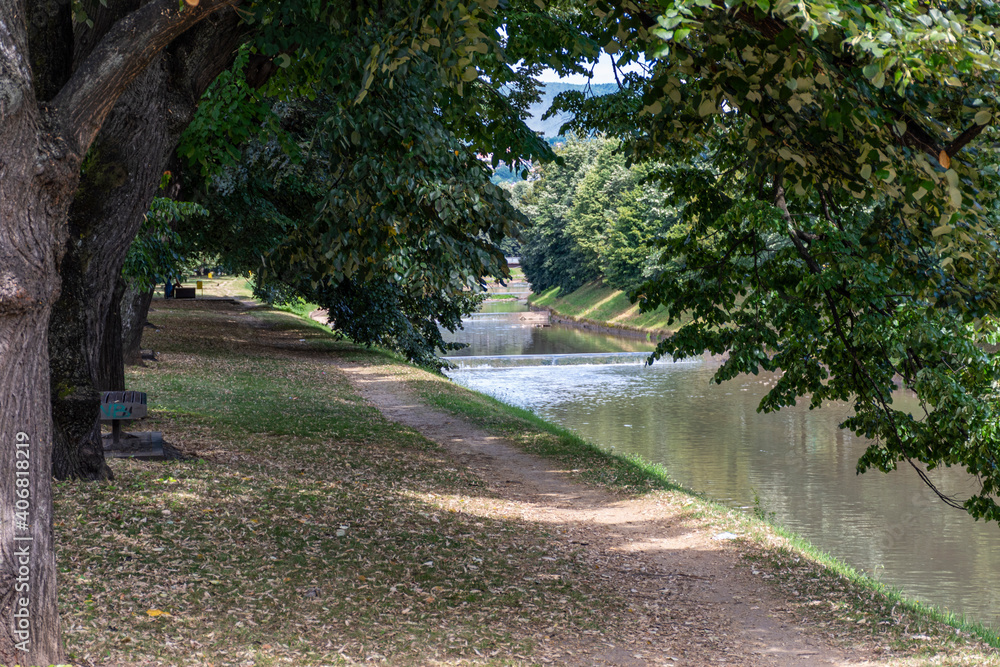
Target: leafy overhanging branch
876 263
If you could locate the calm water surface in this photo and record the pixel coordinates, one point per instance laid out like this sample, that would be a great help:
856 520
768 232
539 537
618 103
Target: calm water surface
798 462
497 330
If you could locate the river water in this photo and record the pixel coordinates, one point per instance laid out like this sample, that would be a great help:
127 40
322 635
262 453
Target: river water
711 438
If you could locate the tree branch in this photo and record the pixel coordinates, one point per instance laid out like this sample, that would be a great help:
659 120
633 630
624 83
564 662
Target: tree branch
793 232
128 48
963 139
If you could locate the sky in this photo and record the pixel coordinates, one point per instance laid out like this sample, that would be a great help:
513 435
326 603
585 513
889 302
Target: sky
603 73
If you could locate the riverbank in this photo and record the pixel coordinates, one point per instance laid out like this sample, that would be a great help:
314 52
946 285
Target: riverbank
600 308
345 507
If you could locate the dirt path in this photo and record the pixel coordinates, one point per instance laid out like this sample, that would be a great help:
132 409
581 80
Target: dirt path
700 605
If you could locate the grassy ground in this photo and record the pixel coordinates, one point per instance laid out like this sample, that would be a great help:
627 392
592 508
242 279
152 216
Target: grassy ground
595 302
311 531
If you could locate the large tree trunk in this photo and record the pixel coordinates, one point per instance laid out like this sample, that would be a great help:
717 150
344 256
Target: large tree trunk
41 149
35 191
110 369
120 180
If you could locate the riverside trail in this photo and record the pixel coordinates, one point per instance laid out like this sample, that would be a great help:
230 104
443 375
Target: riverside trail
331 510
699 603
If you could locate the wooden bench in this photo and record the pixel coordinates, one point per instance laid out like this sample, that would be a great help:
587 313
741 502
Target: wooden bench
184 292
119 406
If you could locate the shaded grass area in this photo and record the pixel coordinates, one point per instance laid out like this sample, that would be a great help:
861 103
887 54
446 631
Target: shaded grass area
312 531
596 302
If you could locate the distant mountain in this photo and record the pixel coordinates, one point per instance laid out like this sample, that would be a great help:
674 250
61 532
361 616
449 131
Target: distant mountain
550 127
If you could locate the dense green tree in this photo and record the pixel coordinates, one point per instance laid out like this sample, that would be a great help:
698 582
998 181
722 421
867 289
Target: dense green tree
593 204
429 255
617 215
604 224
639 220
842 221
549 255
387 199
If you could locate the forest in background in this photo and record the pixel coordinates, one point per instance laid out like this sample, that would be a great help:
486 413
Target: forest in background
592 216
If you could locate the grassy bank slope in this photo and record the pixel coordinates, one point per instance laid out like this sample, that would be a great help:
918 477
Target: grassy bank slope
599 304
312 531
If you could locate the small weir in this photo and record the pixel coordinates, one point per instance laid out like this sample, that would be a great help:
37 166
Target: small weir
526 317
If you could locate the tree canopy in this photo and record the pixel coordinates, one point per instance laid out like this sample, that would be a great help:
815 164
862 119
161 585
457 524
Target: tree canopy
836 168
370 196
591 217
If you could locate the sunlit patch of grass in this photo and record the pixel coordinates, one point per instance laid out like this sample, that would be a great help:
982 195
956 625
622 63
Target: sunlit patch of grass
299 307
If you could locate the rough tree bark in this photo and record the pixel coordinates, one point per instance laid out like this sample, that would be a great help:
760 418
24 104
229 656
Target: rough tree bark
103 219
28 287
112 375
120 179
42 145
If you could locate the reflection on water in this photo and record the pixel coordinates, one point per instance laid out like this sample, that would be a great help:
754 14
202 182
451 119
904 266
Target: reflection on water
486 336
800 464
